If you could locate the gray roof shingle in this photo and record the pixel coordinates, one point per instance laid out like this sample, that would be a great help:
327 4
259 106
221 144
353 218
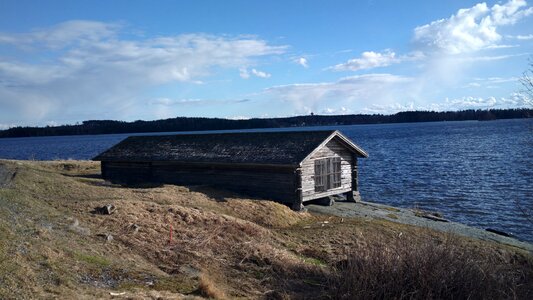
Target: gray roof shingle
273 148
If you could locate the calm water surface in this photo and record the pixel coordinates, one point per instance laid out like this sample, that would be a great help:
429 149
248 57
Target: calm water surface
473 172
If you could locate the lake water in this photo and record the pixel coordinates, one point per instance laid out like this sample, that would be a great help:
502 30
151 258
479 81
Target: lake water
477 173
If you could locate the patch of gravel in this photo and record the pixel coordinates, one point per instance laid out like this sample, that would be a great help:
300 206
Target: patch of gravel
407 216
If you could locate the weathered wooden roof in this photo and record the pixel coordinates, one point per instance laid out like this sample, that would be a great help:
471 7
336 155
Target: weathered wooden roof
271 148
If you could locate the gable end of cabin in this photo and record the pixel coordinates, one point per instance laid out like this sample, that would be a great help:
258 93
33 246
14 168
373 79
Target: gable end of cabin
330 170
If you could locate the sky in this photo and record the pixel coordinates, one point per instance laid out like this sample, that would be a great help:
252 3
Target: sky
63 62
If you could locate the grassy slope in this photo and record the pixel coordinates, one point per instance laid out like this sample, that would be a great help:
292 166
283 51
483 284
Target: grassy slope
51 244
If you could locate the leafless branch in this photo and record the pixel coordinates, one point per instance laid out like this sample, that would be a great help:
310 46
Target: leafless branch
527 80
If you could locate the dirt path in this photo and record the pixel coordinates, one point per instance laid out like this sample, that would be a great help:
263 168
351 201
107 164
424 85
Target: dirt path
407 216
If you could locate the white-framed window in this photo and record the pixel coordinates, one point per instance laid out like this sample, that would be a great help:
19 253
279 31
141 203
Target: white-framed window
327 174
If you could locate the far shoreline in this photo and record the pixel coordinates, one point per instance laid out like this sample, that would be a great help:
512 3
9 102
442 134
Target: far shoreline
202 124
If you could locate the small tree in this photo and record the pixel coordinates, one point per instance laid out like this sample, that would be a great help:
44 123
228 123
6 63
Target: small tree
527 81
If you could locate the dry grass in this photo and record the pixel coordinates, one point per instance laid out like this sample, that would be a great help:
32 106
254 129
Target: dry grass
401 269
49 213
207 288
53 246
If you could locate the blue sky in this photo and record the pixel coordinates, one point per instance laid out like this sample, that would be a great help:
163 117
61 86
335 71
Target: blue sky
68 61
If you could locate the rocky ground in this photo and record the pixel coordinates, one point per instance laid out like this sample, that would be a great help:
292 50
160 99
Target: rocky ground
414 217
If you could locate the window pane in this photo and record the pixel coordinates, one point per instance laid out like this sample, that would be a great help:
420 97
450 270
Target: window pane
320 175
327 173
336 172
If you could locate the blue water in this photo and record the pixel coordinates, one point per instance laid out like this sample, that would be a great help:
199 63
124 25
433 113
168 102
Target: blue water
477 173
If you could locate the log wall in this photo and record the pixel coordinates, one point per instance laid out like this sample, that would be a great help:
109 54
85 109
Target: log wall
126 173
264 182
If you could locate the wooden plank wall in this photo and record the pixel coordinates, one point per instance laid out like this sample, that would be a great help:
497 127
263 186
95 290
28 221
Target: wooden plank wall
268 183
331 149
126 173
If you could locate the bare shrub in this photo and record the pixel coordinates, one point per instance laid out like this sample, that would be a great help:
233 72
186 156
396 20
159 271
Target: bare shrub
431 270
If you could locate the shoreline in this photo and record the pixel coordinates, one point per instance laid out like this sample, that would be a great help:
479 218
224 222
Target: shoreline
370 210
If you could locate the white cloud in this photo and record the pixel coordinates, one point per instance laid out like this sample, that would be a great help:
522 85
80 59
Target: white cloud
493 80
371 59
514 100
474 58
446 51
389 108
523 37
162 108
63 34
502 46
171 102
336 111
467 103
490 82
245 74
239 118
346 92
260 74
368 60
79 69
510 12
177 102
470 29
520 100
473 85
302 61
6 126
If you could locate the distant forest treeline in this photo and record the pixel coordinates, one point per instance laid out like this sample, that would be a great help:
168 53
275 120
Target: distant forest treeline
194 124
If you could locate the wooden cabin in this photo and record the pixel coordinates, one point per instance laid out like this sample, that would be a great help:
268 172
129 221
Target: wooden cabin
291 167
